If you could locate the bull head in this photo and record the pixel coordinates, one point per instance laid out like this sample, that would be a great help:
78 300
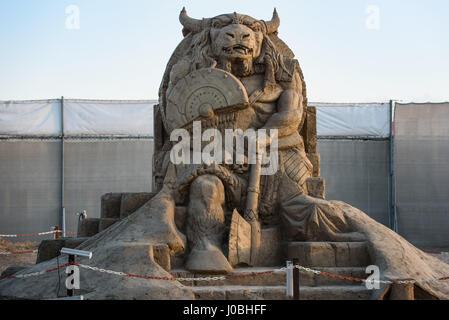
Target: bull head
195 26
235 39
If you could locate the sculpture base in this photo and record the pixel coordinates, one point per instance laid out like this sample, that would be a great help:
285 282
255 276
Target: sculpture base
129 246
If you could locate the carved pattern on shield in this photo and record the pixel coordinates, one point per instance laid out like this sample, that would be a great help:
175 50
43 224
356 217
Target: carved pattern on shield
202 94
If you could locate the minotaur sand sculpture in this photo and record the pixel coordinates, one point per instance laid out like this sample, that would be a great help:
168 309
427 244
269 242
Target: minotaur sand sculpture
233 72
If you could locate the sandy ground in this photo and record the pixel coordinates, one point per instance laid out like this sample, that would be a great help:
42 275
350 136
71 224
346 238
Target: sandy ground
16 260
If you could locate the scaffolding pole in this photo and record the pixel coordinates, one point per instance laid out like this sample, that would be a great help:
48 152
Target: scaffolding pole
393 213
62 170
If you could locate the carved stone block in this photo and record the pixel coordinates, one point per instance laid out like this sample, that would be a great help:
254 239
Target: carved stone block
315 159
161 255
358 254
402 291
51 248
310 136
329 254
270 254
130 202
110 205
88 227
321 254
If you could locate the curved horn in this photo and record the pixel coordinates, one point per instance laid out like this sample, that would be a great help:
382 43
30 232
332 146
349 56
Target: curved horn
273 25
192 25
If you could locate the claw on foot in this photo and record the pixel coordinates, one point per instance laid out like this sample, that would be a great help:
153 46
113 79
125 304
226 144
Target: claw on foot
208 261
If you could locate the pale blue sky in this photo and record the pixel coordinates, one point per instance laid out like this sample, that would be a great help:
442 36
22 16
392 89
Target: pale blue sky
122 47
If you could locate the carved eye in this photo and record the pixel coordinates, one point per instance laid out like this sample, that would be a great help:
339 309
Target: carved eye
256 27
216 25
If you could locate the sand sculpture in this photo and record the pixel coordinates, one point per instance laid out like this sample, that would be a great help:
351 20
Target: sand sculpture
234 72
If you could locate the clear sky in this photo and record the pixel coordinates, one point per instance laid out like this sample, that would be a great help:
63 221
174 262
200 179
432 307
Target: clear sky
350 50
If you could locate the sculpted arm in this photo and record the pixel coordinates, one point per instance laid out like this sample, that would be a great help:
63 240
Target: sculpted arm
289 108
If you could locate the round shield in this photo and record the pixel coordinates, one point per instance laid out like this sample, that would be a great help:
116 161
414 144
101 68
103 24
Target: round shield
202 94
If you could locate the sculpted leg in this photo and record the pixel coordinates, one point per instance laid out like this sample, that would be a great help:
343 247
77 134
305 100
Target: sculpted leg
205 226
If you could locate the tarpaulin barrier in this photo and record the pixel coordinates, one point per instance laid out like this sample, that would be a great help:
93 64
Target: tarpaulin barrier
30 118
371 120
108 118
421 149
135 118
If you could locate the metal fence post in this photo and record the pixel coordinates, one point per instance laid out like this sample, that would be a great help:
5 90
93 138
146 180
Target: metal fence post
289 279
295 279
393 215
62 170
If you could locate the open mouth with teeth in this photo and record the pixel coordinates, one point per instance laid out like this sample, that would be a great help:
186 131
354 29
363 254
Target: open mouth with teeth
238 49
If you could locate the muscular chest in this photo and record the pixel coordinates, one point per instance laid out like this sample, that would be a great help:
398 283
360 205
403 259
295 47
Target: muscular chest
263 103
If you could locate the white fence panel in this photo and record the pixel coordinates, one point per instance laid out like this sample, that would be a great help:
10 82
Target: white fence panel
106 118
30 118
135 118
353 119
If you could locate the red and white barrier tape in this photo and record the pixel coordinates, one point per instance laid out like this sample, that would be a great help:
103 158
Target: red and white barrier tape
34 234
284 269
436 252
17 252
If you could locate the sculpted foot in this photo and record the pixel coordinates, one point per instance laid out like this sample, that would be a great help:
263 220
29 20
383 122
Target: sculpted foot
174 239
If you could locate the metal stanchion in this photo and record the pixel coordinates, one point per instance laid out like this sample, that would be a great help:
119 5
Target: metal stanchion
56 234
72 253
289 279
295 280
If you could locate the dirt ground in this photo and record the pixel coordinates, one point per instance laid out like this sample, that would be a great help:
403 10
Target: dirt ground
13 259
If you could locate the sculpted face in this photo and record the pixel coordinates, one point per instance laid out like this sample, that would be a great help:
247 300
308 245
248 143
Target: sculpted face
234 37
236 41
